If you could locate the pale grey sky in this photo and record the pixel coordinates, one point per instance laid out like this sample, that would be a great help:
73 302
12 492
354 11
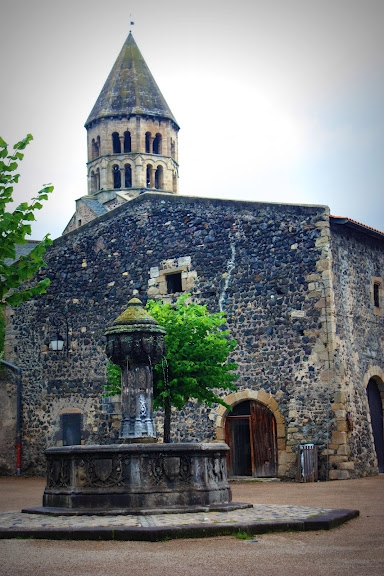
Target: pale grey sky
277 100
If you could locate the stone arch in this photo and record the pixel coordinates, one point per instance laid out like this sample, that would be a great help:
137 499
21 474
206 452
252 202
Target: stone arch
373 372
268 401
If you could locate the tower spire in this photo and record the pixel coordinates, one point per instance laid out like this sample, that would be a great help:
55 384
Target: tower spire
132 133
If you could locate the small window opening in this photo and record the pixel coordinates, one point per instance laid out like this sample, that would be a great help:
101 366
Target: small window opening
376 295
116 144
173 283
159 178
157 144
127 141
93 182
95 148
97 179
78 223
128 176
116 176
71 425
174 183
148 142
172 148
149 177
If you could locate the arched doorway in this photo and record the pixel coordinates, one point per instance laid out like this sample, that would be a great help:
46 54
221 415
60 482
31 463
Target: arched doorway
250 431
376 411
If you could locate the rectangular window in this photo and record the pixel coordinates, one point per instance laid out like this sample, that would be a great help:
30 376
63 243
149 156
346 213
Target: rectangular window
376 295
71 429
173 283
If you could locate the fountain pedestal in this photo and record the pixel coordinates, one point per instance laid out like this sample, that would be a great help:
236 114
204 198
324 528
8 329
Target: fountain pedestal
136 478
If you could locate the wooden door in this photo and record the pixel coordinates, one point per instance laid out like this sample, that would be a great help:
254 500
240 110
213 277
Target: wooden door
263 425
251 437
376 410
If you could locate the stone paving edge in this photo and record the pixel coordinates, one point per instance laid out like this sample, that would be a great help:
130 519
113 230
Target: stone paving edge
325 521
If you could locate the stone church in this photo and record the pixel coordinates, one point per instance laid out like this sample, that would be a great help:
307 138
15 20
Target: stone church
302 291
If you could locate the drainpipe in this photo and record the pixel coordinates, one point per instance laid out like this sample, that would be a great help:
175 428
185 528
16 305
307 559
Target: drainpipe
18 414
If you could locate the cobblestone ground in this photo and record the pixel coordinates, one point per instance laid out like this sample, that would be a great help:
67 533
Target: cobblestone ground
356 547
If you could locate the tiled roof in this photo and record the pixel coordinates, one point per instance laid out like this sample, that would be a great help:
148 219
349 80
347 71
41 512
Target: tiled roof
357 225
97 207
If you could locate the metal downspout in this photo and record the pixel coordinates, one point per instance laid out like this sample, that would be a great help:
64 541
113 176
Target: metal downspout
18 414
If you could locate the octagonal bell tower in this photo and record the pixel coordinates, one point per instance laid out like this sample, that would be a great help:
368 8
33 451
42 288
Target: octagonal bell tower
132 134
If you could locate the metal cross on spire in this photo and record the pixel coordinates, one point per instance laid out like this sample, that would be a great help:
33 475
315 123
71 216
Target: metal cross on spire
131 22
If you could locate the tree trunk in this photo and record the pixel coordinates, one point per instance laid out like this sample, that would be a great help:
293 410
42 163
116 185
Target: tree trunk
167 422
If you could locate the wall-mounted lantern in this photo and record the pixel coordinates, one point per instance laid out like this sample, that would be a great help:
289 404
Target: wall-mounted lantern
57 341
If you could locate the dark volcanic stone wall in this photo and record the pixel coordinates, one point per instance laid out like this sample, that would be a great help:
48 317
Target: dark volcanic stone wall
260 263
357 260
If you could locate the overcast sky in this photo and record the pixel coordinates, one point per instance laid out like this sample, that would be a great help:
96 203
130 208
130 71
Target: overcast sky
277 100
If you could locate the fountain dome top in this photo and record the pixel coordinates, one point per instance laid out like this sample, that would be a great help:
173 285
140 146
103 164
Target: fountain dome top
134 318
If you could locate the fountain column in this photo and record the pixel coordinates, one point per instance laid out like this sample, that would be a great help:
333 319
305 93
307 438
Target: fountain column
135 342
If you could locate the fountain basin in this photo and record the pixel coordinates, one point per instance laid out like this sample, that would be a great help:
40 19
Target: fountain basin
136 478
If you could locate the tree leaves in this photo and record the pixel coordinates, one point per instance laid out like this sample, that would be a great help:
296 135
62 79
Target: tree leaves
197 350
14 227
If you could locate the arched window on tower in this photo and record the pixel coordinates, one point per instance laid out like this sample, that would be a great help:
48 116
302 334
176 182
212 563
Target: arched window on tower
157 144
127 141
95 148
148 142
172 148
116 176
174 183
93 182
159 178
149 177
128 176
98 179
116 145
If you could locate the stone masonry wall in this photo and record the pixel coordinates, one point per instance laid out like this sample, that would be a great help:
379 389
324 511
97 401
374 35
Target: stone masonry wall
266 265
357 260
8 395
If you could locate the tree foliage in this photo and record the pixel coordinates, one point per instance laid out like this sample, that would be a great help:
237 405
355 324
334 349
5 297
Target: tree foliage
15 226
197 349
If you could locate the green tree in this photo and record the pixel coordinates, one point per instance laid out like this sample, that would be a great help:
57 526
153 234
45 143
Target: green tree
196 361
14 227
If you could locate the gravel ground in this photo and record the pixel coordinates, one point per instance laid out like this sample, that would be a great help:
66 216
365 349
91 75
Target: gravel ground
356 547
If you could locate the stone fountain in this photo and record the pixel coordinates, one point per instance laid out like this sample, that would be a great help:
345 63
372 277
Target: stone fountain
137 475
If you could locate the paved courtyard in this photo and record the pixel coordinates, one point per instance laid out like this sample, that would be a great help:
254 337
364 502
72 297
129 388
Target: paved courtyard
356 546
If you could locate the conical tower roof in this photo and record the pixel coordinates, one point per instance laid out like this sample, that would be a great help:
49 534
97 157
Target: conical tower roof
130 89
